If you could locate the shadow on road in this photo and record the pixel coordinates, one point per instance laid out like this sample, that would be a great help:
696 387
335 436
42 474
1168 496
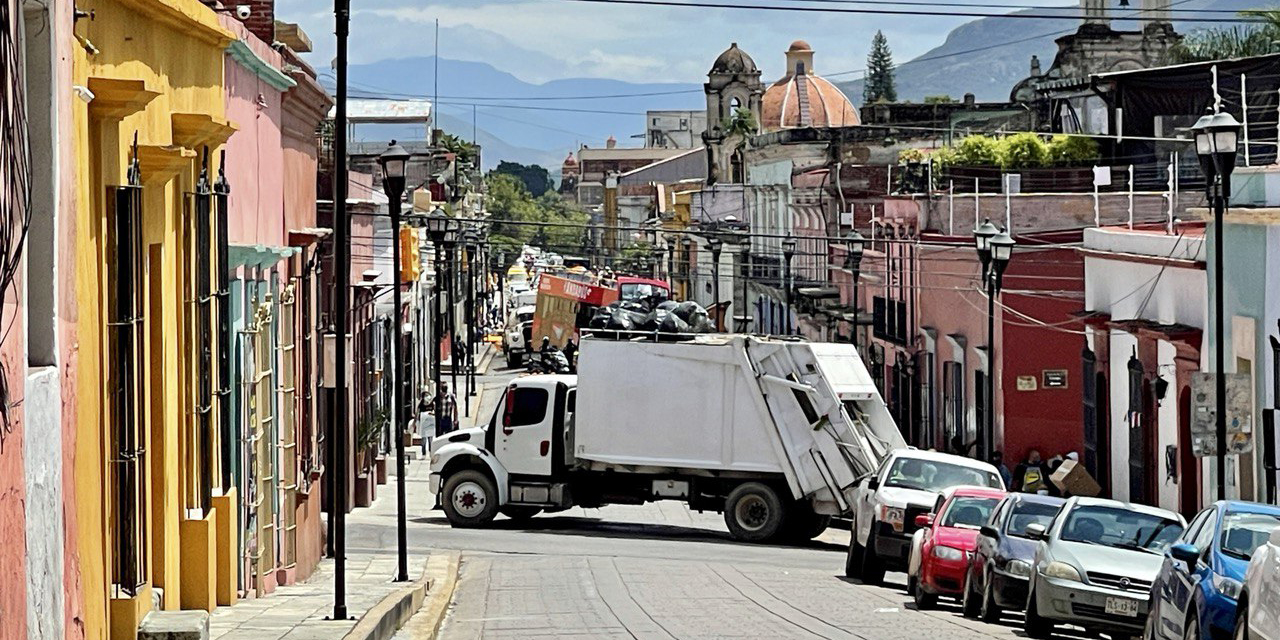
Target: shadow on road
597 528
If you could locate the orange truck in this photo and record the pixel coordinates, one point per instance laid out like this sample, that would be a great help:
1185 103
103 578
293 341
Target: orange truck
564 306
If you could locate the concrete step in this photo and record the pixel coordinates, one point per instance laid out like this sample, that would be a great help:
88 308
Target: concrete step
175 625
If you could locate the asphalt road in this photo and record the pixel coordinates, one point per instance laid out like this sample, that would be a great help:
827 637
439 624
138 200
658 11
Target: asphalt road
657 571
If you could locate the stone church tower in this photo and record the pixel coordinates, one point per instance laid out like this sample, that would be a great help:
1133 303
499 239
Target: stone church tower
733 83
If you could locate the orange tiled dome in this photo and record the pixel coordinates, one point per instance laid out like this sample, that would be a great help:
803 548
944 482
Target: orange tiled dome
804 99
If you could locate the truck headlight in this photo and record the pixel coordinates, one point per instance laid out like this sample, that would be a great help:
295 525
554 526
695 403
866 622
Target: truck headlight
1227 587
947 553
1018 568
1062 571
892 515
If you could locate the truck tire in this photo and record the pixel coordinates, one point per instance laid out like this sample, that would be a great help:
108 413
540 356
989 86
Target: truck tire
872 565
803 524
470 499
754 512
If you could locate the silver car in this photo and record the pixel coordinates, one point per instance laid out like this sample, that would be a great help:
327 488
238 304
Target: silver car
1094 565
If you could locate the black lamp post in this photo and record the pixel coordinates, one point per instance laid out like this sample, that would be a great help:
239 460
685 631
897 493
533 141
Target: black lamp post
745 253
788 252
1216 138
687 276
716 245
995 247
855 246
342 293
450 257
470 242
437 228
393 161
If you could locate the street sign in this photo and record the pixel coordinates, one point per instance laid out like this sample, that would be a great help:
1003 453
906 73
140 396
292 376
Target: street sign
1204 439
1054 378
1026 383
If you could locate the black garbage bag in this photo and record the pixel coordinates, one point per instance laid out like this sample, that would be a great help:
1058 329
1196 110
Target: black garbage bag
673 323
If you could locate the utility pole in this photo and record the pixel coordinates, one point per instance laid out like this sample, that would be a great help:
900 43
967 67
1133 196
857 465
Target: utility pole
342 271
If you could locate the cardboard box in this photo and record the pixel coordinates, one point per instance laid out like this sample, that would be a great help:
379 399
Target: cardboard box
1072 480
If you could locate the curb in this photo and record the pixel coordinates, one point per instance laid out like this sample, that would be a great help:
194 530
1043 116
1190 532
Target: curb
443 571
382 620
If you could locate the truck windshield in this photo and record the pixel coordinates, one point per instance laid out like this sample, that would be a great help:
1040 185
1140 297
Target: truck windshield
935 475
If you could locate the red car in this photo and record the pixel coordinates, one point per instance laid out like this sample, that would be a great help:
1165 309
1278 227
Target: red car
948 537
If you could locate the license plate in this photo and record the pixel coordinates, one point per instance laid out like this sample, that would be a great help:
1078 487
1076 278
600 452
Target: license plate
1122 607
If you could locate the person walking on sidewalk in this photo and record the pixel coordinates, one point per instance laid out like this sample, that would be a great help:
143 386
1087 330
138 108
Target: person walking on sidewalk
571 355
446 407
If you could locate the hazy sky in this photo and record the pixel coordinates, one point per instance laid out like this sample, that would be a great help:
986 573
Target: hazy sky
540 40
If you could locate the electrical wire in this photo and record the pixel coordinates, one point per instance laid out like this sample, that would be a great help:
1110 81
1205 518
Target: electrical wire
15 187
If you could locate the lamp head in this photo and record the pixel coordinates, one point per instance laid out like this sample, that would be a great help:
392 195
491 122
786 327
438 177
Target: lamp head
393 161
1002 248
788 247
857 246
715 243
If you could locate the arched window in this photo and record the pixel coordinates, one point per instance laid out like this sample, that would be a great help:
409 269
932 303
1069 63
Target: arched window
734 104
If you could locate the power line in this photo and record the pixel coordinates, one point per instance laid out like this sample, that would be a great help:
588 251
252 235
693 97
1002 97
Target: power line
898 12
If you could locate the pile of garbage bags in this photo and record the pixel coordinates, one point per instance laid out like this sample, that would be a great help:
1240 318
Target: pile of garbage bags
647 317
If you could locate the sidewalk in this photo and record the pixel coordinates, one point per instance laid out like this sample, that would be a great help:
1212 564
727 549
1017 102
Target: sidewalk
299 611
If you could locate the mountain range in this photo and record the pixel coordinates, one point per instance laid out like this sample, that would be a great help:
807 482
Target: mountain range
541 123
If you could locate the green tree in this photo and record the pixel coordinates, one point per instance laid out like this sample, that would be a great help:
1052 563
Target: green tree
536 179
1023 151
1222 43
519 218
977 151
1067 150
465 151
879 85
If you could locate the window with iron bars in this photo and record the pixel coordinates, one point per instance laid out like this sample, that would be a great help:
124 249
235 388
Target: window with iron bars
125 319
222 271
201 465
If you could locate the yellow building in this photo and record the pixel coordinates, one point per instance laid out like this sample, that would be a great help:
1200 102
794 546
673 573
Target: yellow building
151 517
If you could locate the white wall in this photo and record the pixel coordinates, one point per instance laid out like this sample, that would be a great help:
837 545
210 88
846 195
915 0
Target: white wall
1127 290
1122 346
1167 426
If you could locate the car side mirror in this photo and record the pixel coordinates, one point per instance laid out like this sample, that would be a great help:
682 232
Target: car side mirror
1036 531
989 531
873 483
924 520
1186 553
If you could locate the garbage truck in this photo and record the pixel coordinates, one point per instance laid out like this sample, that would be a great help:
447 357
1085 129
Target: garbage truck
772 432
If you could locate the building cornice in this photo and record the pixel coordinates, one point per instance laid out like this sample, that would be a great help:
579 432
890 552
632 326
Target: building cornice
189 17
241 53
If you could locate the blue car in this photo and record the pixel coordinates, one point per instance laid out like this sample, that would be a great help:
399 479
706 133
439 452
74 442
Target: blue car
1194 596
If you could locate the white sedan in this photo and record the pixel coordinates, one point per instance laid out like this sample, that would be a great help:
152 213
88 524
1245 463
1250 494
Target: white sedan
1258 614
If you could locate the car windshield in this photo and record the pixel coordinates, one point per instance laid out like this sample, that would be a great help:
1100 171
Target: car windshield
1026 514
934 475
1243 533
1120 528
968 511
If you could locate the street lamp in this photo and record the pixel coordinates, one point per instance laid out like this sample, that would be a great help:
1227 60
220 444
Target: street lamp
716 245
437 228
687 244
788 251
995 248
393 161
470 242
1216 138
745 253
451 235
855 248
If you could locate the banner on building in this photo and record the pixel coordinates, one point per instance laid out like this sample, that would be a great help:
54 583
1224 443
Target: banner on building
1204 411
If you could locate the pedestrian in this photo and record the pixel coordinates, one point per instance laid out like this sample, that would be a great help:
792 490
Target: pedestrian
1032 475
571 355
997 461
959 447
446 407
426 420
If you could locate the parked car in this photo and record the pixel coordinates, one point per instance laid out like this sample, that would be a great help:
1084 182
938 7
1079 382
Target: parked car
1258 614
1194 597
1000 568
948 537
516 339
886 502
1094 566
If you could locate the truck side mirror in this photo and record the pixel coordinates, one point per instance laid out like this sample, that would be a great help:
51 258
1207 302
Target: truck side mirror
873 483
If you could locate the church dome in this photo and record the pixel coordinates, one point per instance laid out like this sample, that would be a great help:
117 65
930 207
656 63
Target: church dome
803 98
570 162
734 60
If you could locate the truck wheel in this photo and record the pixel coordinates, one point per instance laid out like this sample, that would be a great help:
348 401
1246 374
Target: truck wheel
470 499
754 512
804 524
872 566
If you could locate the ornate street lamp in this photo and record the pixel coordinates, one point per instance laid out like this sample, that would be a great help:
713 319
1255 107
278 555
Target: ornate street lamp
855 248
995 248
393 162
1216 138
788 252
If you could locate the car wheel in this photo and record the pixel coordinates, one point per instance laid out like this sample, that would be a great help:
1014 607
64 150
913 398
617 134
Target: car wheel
912 585
470 499
872 566
924 599
1242 621
1034 625
754 513
1191 630
988 611
853 559
968 601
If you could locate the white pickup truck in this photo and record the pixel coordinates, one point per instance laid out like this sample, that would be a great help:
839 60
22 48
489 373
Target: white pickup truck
772 432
